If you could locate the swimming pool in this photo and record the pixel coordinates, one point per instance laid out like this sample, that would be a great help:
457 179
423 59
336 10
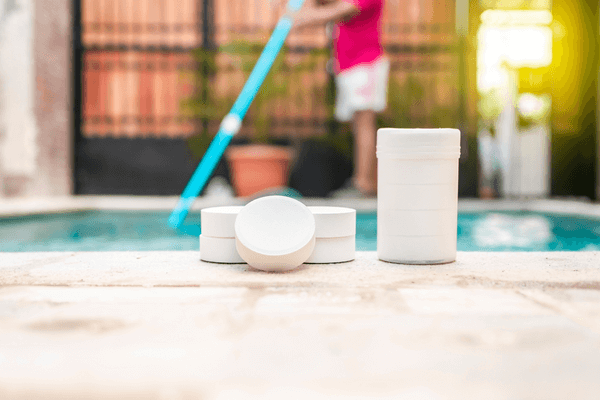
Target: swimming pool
141 231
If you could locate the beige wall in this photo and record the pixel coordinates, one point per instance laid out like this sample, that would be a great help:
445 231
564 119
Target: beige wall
35 96
53 106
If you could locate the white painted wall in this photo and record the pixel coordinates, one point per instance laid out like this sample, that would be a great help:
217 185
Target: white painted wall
524 153
18 129
506 128
532 177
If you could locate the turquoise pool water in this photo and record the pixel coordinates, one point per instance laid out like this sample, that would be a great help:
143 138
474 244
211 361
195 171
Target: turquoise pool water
118 231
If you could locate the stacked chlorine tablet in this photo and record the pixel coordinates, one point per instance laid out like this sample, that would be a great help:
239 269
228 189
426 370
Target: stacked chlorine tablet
335 232
277 233
217 238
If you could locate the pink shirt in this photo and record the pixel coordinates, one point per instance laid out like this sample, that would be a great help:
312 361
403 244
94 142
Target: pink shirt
358 39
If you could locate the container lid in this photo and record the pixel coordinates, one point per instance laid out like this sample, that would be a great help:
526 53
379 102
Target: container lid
219 221
333 222
437 142
275 233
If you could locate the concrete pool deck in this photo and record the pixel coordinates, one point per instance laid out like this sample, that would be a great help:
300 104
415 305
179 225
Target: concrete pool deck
164 325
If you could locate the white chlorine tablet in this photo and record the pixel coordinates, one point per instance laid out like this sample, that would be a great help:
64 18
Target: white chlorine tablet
275 233
333 250
219 222
334 222
219 250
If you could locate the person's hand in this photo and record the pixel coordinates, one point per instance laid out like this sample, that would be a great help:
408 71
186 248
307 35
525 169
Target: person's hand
334 10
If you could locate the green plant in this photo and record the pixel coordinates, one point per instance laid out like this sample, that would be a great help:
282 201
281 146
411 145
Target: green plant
206 105
533 110
273 88
203 106
489 107
402 98
409 106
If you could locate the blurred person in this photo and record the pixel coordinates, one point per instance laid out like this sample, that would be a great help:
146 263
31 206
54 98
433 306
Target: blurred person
361 76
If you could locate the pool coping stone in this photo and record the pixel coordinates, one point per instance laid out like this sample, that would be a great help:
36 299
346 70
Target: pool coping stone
165 325
13 207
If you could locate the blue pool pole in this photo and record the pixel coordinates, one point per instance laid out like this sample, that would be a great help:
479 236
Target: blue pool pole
232 122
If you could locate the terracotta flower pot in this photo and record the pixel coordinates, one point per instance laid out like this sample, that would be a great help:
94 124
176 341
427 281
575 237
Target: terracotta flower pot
258 167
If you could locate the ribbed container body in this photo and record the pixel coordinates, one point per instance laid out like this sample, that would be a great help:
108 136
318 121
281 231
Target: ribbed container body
417 195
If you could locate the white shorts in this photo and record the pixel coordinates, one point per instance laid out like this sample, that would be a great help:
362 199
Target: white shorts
363 87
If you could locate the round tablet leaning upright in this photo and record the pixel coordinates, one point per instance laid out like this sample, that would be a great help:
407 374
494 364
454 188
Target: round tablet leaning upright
275 233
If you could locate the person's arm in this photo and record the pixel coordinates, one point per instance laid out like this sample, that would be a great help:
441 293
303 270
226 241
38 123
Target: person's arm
332 11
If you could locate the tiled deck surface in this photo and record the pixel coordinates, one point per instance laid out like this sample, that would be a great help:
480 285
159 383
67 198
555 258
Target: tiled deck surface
166 326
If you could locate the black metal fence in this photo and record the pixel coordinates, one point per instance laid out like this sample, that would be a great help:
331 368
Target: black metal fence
155 77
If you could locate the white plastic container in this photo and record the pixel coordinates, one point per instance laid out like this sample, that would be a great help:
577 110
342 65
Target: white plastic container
217 239
417 195
275 233
219 250
335 232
